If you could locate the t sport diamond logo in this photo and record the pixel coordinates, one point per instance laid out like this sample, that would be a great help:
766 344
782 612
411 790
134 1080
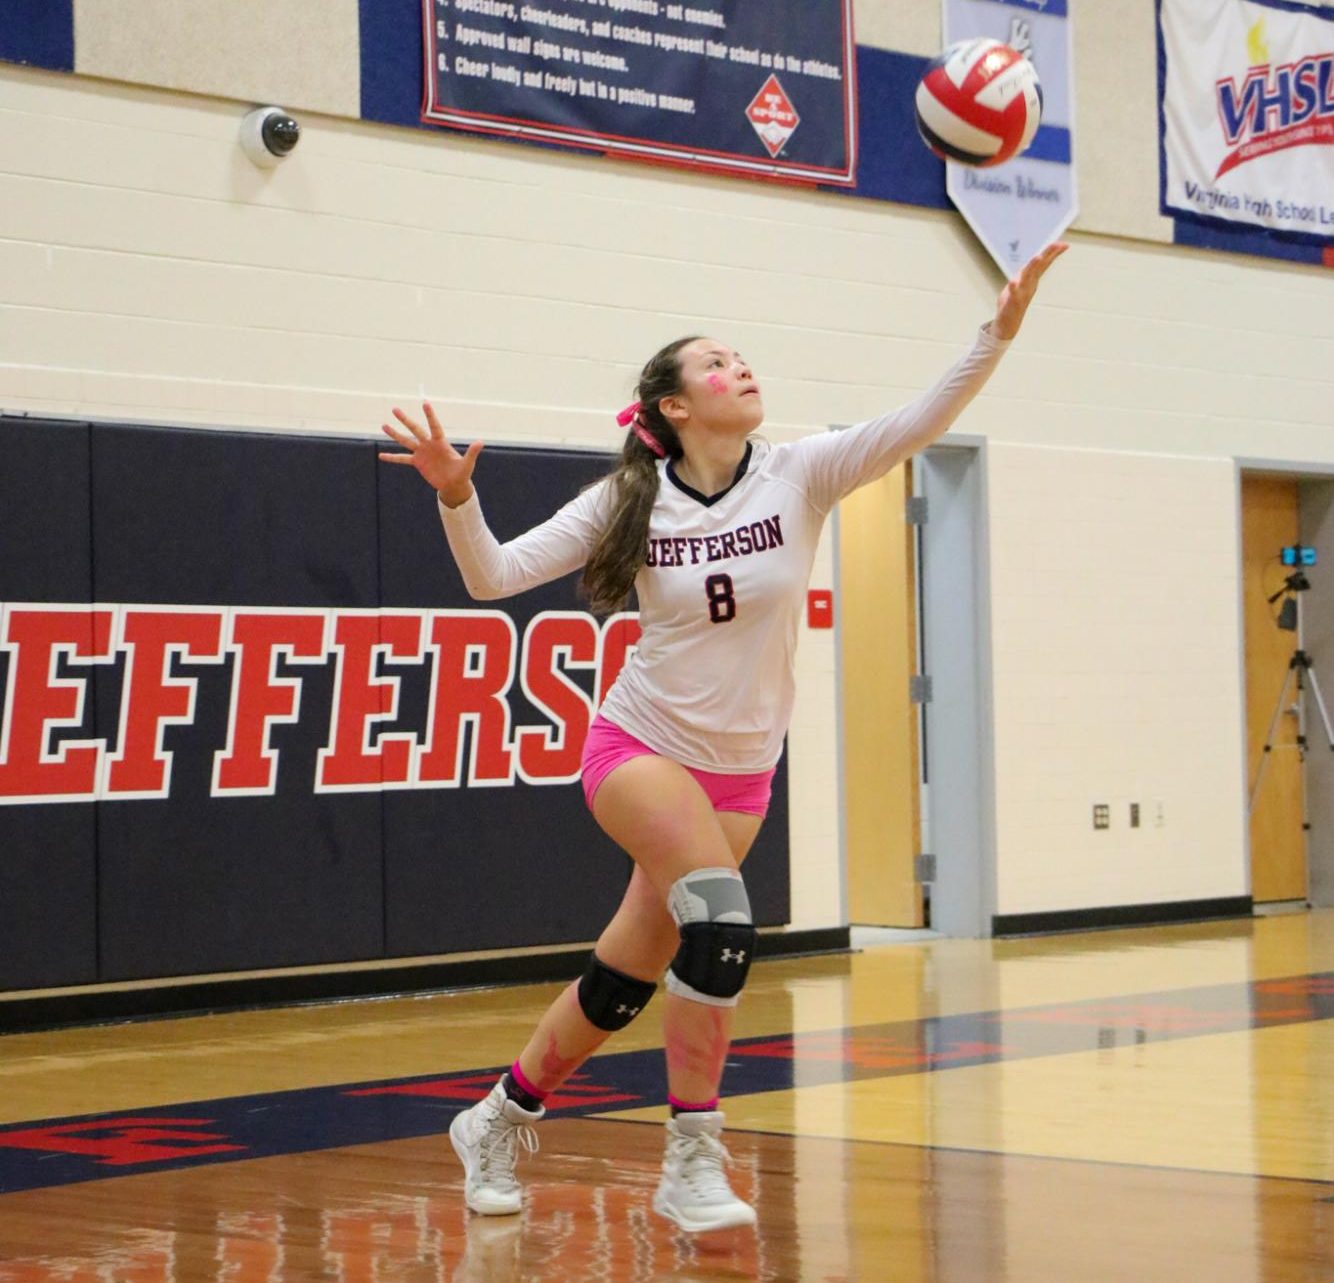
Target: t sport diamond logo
774 117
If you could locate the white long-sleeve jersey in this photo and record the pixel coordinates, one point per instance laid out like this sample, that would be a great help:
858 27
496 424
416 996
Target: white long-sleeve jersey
712 681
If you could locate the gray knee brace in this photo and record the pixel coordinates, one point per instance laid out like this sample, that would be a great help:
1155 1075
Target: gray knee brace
712 910
609 998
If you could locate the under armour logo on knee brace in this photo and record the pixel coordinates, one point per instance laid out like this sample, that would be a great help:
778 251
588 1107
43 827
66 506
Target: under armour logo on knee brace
729 956
623 1010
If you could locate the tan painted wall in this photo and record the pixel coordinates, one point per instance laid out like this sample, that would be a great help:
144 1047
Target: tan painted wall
879 742
1116 674
294 54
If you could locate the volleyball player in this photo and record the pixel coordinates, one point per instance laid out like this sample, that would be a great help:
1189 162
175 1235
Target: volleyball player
716 530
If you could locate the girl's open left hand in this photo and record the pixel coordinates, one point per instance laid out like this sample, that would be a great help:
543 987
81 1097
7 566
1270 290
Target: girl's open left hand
1019 290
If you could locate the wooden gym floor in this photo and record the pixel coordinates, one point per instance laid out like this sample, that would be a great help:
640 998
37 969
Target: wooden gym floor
1151 1105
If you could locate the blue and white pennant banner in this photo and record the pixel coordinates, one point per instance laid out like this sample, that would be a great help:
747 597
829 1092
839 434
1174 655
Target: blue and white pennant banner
1021 206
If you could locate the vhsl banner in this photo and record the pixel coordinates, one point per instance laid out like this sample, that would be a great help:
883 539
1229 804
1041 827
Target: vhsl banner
1248 113
1021 206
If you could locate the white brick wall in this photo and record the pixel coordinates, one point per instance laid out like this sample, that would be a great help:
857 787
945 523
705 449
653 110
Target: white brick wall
147 271
1116 653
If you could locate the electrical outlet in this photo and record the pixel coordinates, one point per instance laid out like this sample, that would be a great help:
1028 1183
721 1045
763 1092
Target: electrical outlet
1159 819
1102 816
1134 815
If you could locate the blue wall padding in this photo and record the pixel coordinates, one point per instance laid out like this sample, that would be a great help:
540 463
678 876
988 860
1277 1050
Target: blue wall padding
1244 240
131 887
447 884
48 854
38 32
893 162
391 61
191 883
1051 142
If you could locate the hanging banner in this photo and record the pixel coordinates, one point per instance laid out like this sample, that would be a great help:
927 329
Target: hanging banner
1022 205
1248 113
764 88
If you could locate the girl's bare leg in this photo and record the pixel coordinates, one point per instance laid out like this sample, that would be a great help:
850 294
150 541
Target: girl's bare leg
696 1037
663 818
658 813
640 941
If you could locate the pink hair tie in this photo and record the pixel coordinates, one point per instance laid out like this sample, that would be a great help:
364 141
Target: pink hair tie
631 417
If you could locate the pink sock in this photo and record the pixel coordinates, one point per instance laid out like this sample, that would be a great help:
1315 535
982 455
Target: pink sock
689 1107
521 1079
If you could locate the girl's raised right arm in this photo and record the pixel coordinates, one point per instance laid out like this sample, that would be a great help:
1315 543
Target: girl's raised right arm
490 569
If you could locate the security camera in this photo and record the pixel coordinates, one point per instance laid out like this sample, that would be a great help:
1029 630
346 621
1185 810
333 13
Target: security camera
268 134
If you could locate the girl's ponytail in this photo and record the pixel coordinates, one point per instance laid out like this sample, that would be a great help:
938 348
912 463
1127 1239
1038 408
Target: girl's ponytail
609 576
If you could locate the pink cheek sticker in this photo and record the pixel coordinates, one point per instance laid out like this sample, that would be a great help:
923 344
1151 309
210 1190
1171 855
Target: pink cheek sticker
716 383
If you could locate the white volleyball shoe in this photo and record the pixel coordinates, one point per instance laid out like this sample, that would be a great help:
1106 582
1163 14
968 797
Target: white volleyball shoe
487 1138
694 1191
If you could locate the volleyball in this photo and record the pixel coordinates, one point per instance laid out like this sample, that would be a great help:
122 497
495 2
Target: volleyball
979 103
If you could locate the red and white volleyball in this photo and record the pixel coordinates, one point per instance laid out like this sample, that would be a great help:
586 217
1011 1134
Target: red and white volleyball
979 103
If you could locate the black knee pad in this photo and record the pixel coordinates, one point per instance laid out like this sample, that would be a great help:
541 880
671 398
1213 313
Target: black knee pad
711 908
713 961
609 998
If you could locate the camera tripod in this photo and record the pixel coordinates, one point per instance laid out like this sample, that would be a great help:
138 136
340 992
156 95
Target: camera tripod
1302 673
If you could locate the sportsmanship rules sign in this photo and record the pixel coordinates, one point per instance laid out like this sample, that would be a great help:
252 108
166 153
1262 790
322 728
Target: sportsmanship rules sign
763 88
1248 114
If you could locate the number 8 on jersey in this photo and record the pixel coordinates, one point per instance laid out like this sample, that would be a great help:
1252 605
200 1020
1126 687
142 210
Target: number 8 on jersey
722 604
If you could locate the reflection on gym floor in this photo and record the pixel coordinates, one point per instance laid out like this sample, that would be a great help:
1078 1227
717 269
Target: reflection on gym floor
1155 1104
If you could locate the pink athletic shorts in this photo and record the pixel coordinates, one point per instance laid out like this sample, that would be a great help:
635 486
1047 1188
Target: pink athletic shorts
607 746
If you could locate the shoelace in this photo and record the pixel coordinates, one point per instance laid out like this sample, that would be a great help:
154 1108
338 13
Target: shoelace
499 1150
702 1161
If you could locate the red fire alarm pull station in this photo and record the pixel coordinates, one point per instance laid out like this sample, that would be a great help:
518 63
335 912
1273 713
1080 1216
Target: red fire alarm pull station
820 608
